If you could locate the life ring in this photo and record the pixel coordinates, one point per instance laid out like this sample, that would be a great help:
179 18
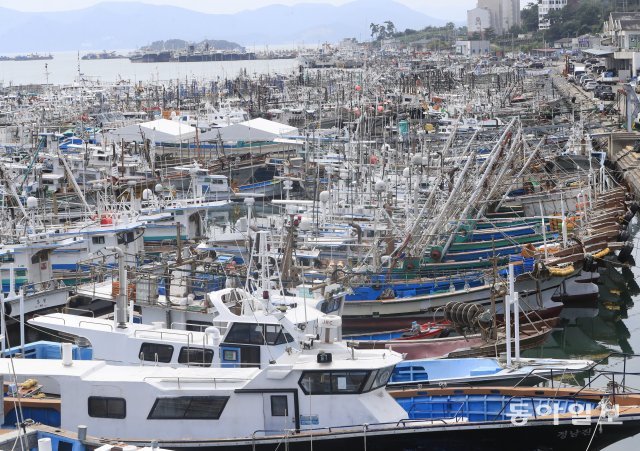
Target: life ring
435 254
528 250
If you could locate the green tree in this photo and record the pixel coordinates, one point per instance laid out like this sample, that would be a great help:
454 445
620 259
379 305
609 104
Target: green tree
489 34
375 29
529 18
390 28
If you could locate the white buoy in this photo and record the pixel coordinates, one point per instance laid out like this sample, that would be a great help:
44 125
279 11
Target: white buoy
380 186
214 334
32 203
325 196
44 444
67 354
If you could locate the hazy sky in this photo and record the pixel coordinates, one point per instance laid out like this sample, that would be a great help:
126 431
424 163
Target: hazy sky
442 9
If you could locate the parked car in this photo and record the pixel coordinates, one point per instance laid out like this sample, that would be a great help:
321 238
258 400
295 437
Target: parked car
607 95
590 85
585 80
601 89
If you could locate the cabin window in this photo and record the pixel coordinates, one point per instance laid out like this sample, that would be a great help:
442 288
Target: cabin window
125 238
279 406
276 334
188 407
40 256
156 352
381 377
245 333
257 334
6 258
195 356
101 407
97 239
333 382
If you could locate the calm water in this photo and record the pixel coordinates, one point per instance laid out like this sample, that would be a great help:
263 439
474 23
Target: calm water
613 326
63 69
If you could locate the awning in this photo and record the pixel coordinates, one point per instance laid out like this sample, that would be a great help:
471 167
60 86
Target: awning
599 52
250 131
159 131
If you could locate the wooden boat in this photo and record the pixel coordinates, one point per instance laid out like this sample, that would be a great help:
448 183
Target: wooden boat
531 335
434 329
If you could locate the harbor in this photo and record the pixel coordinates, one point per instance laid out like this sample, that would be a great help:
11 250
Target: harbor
424 239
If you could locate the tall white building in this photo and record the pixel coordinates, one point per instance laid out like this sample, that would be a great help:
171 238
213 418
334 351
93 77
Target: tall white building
544 6
500 15
478 20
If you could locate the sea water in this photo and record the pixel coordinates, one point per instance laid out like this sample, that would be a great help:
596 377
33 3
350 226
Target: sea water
67 67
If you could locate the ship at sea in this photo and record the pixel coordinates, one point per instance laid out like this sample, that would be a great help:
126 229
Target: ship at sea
28 57
215 56
187 53
152 57
104 55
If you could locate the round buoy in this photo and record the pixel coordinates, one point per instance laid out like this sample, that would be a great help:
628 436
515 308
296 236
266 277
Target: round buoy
435 254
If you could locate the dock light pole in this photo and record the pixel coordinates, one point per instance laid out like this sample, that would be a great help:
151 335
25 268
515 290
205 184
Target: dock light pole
121 300
507 314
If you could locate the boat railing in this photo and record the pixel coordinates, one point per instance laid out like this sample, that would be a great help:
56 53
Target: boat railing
519 399
70 310
35 287
95 323
457 415
404 423
50 318
180 381
200 327
608 375
164 334
560 373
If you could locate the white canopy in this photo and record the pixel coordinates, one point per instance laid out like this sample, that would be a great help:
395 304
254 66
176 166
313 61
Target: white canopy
254 130
158 131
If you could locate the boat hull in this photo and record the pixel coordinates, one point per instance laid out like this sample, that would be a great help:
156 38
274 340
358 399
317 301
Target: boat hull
498 435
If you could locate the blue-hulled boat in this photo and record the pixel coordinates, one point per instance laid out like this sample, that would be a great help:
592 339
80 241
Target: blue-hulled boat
483 371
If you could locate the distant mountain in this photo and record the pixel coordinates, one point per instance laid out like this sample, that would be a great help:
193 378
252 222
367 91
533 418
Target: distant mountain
131 25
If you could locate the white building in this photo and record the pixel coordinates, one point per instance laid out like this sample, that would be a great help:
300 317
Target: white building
544 6
472 48
478 20
500 15
622 34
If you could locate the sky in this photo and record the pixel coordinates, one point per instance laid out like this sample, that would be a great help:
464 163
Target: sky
441 9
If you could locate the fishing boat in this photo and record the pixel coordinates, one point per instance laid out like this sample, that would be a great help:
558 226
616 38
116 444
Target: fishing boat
479 371
417 331
327 394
